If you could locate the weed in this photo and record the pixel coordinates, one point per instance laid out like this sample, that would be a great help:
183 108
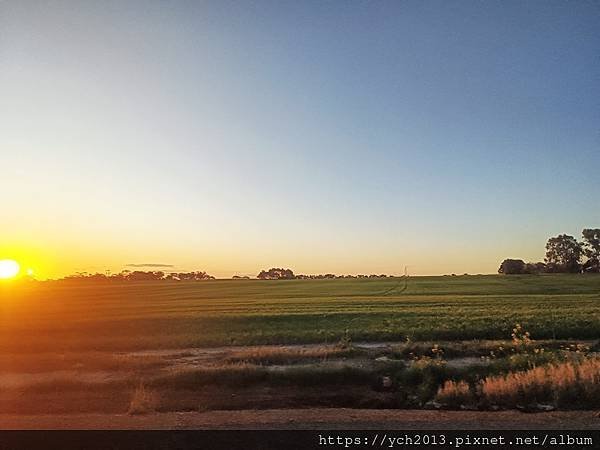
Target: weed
455 394
143 401
269 355
560 384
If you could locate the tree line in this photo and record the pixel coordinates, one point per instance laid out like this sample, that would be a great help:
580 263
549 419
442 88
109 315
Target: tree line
564 254
140 275
276 273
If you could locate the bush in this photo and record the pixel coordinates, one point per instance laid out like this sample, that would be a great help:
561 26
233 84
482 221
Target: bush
512 267
563 384
455 394
143 401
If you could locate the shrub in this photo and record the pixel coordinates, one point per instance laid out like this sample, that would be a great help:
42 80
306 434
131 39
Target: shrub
455 393
562 384
269 355
425 375
143 401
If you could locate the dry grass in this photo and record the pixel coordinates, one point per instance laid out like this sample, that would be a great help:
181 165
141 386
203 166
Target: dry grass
143 401
128 361
556 383
277 355
245 374
455 393
485 348
54 361
568 384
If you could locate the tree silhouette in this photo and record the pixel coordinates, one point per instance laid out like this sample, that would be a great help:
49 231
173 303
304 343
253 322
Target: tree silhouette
276 274
563 254
512 267
591 249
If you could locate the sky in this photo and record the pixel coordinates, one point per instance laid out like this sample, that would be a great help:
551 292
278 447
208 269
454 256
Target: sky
325 136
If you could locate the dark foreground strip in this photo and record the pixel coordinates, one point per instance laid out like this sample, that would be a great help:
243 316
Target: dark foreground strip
291 440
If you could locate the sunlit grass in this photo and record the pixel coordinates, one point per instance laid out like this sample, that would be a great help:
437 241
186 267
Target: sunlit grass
169 315
560 384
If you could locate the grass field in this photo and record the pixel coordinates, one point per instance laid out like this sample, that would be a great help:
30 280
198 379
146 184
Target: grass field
241 312
168 346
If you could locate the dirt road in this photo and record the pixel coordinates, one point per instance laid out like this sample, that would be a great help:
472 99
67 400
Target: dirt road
311 419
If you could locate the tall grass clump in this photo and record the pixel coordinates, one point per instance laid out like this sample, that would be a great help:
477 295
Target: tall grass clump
455 393
566 384
425 375
143 401
272 356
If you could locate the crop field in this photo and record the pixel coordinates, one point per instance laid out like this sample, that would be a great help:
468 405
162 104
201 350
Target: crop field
82 347
158 315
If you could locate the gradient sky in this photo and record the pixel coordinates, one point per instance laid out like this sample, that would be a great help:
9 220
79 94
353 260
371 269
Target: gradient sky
326 136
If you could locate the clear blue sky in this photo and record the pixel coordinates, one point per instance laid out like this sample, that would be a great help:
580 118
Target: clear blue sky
327 136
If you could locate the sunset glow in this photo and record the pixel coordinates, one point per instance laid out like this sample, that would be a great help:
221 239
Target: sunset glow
363 215
331 149
9 269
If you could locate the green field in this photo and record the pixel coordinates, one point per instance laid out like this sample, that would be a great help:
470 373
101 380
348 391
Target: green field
139 347
154 315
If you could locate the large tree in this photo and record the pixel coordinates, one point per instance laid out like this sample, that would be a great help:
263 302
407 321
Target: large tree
512 267
275 273
535 268
591 249
563 254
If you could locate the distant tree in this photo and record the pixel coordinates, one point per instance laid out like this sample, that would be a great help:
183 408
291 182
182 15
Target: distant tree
189 276
534 268
139 275
591 249
121 276
84 276
276 274
512 267
563 254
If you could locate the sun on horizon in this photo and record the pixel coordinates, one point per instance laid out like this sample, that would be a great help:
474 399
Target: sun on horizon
9 268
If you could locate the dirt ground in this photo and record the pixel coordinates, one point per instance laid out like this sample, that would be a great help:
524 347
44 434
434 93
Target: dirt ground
311 419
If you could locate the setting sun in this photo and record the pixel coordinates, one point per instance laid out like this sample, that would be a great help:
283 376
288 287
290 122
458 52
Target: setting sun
8 268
